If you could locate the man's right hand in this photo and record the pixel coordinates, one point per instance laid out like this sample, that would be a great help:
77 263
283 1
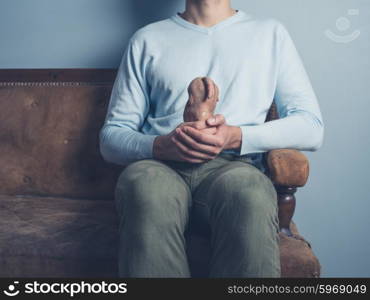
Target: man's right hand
168 147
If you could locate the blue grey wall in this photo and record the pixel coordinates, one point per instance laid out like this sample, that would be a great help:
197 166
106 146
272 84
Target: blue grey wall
333 209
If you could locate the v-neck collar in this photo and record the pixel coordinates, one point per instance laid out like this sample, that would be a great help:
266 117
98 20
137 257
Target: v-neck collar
209 30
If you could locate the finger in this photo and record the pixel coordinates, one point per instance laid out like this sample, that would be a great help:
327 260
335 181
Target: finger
194 145
186 158
184 145
209 130
199 138
196 124
194 161
216 120
188 153
200 126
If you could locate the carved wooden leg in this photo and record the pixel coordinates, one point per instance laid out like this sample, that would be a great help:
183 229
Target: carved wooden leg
286 202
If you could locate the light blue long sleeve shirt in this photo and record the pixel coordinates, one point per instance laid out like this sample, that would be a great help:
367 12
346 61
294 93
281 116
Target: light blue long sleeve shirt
253 61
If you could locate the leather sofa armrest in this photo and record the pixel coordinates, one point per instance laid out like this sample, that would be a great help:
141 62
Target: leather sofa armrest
287 167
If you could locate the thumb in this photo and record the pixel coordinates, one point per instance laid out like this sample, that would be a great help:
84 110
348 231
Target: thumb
196 124
216 120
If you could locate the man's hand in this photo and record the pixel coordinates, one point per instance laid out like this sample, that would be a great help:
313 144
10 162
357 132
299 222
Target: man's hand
226 137
172 147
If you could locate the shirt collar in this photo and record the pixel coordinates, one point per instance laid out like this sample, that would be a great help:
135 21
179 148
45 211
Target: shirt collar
209 30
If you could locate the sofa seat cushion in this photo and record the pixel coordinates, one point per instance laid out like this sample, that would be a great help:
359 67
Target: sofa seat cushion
58 237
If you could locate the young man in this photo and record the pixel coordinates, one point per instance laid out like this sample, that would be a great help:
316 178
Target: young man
207 172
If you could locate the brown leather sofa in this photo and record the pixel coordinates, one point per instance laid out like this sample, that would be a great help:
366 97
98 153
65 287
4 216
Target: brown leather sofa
57 217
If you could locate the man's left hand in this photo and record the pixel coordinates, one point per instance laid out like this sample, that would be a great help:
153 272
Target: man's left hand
225 137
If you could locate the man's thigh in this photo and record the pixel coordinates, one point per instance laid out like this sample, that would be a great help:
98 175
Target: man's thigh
151 184
235 179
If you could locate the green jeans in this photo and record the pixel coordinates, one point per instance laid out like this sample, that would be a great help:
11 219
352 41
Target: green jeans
227 196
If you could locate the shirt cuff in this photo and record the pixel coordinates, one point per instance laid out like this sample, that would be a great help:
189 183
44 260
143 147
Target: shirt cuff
251 140
146 146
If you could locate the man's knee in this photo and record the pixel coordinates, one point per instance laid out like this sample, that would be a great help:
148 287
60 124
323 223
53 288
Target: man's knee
244 188
141 175
150 186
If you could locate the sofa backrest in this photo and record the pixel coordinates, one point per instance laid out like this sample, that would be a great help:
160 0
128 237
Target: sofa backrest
49 126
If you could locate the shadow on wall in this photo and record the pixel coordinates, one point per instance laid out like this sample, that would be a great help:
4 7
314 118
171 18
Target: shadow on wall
144 12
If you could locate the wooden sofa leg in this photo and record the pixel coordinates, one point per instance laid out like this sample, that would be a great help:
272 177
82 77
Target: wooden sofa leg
286 203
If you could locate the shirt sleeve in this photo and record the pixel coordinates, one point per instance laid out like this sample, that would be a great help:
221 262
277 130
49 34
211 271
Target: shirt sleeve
121 141
300 125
